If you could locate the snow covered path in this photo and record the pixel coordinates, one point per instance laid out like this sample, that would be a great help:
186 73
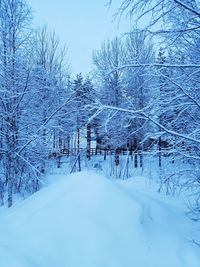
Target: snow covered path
86 220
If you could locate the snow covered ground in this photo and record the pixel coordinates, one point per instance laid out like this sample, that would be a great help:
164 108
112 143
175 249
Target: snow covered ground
87 220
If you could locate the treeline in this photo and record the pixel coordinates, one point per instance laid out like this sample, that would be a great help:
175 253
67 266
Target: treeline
34 92
41 107
148 96
143 94
151 92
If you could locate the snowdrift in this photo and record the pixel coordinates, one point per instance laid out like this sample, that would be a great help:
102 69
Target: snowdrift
86 220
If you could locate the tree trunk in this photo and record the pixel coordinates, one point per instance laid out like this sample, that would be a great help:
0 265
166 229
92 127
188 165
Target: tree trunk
141 160
78 150
88 141
117 156
105 153
136 160
159 153
10 178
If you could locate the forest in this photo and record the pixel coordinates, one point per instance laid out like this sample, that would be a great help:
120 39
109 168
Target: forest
140 100
101 169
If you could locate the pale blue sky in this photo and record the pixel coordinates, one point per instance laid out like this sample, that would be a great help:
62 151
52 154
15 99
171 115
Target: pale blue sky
81 24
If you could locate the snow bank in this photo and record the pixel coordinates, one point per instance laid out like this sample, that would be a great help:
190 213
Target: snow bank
86 220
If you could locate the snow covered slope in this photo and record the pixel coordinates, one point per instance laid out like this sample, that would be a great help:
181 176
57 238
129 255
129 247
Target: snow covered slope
86 220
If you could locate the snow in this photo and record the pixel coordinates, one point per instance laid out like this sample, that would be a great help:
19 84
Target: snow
87 220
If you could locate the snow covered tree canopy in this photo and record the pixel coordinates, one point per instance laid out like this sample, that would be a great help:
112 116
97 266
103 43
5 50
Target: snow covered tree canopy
31 89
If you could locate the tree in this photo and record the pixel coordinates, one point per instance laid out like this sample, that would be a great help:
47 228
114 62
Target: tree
138 85
52 88
33 96
123 87
84 95
89 96
110 57
175 24
14 18
163 10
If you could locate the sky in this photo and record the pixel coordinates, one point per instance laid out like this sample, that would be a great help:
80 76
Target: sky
81 24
